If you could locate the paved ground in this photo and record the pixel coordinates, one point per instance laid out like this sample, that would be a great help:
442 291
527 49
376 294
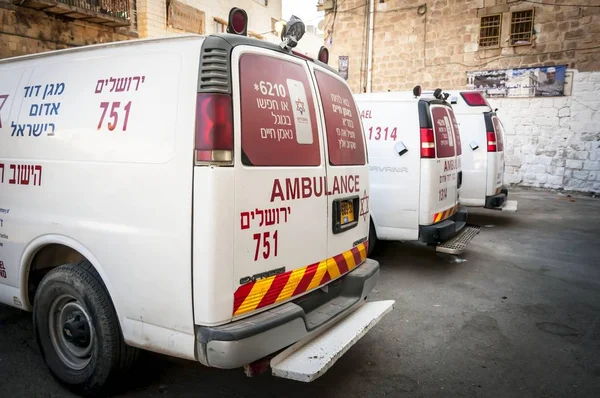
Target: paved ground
517 315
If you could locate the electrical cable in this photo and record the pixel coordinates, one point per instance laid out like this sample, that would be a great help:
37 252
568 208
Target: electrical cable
384 11
543 3
512 56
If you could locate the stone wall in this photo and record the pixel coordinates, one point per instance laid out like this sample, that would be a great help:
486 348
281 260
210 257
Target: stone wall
554 142
26 31
440 46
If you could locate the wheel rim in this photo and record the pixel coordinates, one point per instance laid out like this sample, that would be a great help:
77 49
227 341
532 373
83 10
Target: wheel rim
71 332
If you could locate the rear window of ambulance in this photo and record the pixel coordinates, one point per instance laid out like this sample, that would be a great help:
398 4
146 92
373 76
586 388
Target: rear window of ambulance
499 128
279 126
444 140
344 133
456 132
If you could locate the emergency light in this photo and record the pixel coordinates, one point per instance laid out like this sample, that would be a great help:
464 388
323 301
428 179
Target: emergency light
323 55
291 33
238 22
417 91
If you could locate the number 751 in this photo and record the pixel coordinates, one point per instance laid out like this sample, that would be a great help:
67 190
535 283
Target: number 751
264 240
114 114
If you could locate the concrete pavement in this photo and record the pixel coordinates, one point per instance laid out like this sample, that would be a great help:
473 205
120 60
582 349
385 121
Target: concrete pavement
517 315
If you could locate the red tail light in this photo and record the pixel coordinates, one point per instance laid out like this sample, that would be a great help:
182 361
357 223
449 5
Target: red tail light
427 143
474 99
214 128
491 141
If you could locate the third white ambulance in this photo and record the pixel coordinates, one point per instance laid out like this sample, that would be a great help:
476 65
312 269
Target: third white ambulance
415 169
483 152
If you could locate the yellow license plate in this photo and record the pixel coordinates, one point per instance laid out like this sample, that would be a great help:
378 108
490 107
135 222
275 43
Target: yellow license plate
347 215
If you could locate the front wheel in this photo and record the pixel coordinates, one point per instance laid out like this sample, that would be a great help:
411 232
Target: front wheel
77 329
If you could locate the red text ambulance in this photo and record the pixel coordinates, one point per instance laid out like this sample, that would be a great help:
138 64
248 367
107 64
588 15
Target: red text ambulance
201 197
415 167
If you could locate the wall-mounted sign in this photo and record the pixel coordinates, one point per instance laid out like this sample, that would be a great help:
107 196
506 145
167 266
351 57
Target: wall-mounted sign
343 62
184 17
543 81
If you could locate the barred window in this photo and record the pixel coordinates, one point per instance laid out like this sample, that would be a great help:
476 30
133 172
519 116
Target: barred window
521 27
489 30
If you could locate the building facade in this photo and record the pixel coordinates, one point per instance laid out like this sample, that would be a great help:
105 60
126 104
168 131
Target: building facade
31 26
552 141
166 17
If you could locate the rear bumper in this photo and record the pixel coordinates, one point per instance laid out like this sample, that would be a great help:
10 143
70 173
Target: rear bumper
495 201
444 230
245 341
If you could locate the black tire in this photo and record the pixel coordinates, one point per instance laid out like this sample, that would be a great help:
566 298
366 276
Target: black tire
372 238
95 353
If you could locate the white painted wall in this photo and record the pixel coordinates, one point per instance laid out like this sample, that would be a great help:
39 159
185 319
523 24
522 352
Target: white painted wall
554 142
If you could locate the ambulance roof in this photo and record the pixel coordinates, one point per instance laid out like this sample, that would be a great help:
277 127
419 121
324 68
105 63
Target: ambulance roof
89 47
401 96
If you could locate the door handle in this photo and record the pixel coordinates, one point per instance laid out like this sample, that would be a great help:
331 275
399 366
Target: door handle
400 148
474 145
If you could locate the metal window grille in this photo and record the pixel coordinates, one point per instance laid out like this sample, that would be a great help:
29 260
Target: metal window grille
489 30
116 8
521 27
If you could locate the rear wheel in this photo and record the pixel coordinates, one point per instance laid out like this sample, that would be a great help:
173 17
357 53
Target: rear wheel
372 238
77 329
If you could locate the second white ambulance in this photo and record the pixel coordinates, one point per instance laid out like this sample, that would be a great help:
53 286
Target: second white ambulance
201 197
415 169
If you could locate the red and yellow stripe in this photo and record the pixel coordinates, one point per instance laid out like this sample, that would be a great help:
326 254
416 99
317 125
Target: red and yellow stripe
274 289
437 217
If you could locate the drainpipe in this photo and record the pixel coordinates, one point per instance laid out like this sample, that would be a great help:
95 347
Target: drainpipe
370 45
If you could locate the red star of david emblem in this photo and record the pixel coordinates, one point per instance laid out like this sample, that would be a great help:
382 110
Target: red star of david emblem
364 205
300 106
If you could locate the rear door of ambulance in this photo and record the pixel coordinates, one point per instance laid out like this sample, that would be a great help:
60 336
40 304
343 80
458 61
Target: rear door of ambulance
281 222
458 147
495 153
439 165
347 174
392 131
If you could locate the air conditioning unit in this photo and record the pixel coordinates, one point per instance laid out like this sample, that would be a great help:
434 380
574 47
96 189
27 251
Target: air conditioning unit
325 5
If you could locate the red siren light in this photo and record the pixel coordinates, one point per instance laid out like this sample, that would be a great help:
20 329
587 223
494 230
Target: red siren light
417 91
238 22
323 55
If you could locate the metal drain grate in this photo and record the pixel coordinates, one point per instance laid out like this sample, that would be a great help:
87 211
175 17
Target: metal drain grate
459 242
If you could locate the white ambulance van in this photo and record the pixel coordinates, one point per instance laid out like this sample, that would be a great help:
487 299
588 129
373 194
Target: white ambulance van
415 167
200 197
482 135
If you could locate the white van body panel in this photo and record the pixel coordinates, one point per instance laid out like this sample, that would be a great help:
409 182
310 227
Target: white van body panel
213 255
395 178
106 111
475 170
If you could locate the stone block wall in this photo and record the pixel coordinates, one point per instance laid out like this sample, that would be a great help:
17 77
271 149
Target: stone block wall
27 31
436 48
554 142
